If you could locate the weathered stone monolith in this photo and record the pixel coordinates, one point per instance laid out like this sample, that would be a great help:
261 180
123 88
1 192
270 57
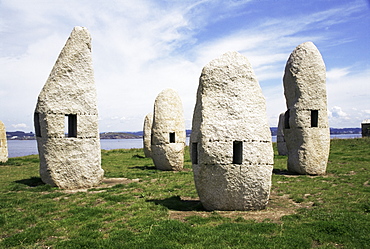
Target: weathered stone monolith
231 147
68 103
281 144
168 131
147 135
306 129
3 144
365 128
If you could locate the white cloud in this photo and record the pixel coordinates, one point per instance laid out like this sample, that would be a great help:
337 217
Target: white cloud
19 126
141 47
337 112
337 73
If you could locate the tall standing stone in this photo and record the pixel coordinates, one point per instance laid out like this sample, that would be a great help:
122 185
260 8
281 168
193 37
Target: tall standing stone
68 103
231 147
306 130
280 139
168 131
147 134
3 144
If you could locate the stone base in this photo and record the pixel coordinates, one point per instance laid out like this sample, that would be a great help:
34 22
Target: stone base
168 156
233 187
70 163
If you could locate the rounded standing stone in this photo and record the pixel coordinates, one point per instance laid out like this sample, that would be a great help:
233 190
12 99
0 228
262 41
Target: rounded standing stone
306 131
231 147
168 131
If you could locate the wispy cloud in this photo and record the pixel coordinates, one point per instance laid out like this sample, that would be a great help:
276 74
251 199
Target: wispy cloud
141 47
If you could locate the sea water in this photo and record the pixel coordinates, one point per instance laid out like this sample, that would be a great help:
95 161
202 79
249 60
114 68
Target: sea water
17 148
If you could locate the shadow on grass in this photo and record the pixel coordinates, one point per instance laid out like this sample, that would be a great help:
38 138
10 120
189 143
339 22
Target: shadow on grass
144 167
31 182
175 203
283 172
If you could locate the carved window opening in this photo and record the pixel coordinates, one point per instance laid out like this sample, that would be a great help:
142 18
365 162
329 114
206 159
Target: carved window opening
237 152
71 125
286 119
314 118
172 137
194 153
36 120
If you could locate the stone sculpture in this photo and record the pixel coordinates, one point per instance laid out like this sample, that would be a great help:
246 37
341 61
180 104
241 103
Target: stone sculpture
147 135
3 144
168 131
281 144
68 101
306 128
365 128
231 149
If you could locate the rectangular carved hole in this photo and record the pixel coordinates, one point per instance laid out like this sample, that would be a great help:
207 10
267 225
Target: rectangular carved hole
286 119
314 118
172 137
71 125
237 152
194 153
36 120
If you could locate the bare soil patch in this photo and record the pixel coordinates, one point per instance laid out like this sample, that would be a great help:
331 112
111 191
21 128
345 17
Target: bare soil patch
277 207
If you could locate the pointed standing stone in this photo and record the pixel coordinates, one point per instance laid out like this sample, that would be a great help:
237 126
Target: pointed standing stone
168 131
281 144
306 130
231 148
68 103
3 144
147 134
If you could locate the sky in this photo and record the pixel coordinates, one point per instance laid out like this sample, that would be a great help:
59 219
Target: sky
142 47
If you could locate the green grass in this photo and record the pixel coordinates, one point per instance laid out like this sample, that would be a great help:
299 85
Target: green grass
160 209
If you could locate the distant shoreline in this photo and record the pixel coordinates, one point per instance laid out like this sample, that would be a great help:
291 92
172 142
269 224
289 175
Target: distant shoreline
20 135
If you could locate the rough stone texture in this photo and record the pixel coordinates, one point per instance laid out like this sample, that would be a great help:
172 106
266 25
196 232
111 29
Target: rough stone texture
365 128
147 134
3 144
308 135
281 144
230 108
70 162
168 118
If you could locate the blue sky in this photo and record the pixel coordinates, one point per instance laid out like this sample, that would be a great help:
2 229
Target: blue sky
144 46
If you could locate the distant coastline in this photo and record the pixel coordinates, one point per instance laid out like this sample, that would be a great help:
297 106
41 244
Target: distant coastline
21 135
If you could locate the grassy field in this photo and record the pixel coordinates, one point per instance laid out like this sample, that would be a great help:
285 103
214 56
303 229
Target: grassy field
138 206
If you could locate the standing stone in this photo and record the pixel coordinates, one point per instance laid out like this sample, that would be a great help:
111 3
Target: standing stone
3 144
231 148
147 134
281 144
68 103
365 128
168 131
306 129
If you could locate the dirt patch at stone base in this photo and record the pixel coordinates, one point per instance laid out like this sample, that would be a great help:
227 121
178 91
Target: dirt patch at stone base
277 207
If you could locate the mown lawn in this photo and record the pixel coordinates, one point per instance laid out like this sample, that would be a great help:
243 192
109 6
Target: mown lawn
138 206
